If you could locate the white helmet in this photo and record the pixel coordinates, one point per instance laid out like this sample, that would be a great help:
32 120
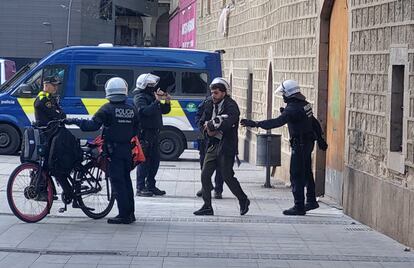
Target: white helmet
116 89
287 88
220 83
147 80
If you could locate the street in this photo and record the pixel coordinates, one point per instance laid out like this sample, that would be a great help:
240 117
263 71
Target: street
167 234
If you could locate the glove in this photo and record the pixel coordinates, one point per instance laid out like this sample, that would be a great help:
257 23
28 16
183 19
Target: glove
281 109
322 144
248 123
72 121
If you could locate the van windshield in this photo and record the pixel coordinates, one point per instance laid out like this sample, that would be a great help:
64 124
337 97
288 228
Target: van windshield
9 83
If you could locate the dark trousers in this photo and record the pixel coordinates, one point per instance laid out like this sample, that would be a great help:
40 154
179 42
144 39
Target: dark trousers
301 174
218 179
147 171
119 174
224 164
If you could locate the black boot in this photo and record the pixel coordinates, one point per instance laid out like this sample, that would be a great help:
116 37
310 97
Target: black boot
157 191
244 206
132 217
120 220
294 211
205 210
218 195
311 205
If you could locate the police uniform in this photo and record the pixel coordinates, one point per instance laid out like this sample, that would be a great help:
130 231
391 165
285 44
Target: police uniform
120 121
47 109
150 114
299 117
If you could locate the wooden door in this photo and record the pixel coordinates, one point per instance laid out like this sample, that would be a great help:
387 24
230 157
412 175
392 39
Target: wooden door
338 64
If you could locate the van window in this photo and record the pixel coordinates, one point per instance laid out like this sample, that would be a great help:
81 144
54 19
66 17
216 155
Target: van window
36 80
194 83
167 80
92 80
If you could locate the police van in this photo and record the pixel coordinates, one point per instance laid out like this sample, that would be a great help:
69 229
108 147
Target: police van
84 70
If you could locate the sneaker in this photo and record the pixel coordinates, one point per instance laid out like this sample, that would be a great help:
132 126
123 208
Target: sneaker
244 206
144 193
311 205
218 195
294 211
204 211
157 191
199 193
119 220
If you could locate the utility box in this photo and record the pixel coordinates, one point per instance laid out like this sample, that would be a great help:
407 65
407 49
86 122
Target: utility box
268 150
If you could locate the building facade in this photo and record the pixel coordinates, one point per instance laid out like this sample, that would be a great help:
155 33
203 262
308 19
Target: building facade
183 24
354 60
31 29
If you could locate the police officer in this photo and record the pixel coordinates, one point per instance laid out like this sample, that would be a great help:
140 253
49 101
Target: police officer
221 119
202 147
147 100
47 108
46 105
302 127
120 124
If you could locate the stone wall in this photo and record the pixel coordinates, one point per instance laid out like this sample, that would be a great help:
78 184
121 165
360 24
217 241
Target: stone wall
290 36
378 188
281 34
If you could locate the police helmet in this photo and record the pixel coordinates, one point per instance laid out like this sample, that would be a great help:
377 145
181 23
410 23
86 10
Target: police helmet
220 83
288 88
147 80
116 89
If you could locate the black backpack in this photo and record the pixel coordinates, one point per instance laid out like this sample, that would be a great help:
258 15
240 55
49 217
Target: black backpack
33 145
64 154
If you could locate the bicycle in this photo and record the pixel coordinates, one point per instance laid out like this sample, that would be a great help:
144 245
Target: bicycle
31 189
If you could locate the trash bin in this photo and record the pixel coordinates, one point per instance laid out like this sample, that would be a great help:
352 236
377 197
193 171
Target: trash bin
268 146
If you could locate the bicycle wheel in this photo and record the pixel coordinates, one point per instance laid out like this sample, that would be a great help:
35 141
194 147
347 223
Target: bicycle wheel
27 204
94 193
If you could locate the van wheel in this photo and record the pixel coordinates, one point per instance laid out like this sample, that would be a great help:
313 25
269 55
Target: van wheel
171 145
9 139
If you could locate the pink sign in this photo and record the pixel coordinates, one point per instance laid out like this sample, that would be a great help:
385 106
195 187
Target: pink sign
183 25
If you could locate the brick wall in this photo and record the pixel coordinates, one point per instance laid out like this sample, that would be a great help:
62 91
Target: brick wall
376 26
281 33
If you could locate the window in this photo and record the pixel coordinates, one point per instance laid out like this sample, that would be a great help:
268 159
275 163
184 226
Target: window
167 81
208 12
92 80
35 82
397 100
249 97
194 83
105 10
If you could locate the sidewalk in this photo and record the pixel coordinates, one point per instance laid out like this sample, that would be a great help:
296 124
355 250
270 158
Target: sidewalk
167 234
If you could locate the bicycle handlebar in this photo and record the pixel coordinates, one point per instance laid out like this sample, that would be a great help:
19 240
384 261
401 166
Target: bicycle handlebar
50 124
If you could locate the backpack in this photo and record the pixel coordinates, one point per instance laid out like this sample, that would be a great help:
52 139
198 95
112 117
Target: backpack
33 145
65 153
136 151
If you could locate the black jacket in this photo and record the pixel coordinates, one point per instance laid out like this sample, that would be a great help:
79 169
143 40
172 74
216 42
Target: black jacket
298 116
150 110
229 143
120 121
199 119
47 109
